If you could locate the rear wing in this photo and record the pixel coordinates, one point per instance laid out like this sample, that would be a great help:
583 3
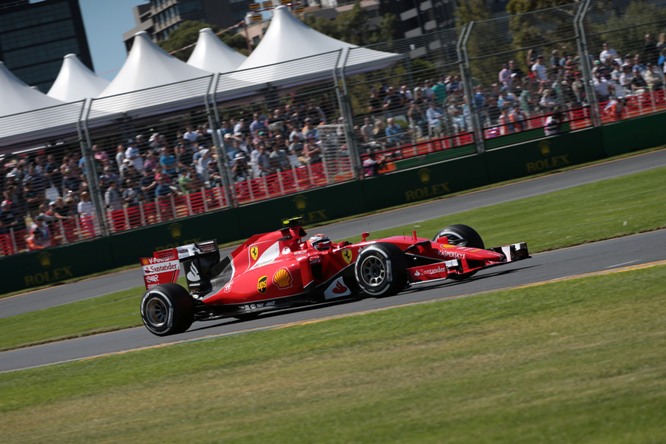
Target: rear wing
164 266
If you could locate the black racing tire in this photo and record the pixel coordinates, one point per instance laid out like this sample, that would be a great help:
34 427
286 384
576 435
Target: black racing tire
464 236
381 270
167 309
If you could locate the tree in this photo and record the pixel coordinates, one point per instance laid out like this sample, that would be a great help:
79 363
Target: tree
625 29
181 41
355 26
184 37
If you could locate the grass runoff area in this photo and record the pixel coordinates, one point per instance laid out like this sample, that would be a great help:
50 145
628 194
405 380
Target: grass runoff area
602 210
580 360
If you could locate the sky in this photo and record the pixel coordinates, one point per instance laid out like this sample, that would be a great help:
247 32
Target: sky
105 22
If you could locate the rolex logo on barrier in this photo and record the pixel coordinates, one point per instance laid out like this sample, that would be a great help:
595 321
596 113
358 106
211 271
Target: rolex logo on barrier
548 161
175 230
300 202
44 259
544 147
428 189
424 175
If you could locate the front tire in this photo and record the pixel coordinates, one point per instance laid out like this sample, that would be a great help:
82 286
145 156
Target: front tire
167 309
462 236
381 270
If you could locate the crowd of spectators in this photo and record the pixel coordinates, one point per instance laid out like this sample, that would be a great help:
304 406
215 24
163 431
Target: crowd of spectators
43 190
50 187
547 83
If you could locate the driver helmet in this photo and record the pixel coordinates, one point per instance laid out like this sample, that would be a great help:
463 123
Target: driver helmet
320 242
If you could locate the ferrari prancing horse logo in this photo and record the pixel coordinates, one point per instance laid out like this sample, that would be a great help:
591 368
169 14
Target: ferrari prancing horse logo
254 252
347 255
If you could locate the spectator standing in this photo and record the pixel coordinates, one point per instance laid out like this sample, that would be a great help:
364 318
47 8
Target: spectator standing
312 151
168 162
394 133
553 124
434 115
539 70
607 52
40 234
439 92
86 212
134 155
112 197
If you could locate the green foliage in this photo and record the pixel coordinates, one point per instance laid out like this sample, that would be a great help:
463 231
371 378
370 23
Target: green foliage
181 41
639 18
571 361
612 208
186 35
355 26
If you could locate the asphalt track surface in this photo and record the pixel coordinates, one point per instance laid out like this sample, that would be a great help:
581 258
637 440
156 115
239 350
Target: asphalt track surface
600 256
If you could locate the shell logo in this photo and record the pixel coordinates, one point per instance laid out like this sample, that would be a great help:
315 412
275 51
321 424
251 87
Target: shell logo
262 285
282 279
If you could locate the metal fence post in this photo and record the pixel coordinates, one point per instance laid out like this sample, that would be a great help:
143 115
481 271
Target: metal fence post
468 85
214 125
586 68
91 171
342 91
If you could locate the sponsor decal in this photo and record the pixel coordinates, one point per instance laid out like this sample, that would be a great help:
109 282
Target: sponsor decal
193 274
337 289
48 276
445 251
257 306
438 270
262 284
347 255
286 250
254 252
227 288
548 163
436 189
282 279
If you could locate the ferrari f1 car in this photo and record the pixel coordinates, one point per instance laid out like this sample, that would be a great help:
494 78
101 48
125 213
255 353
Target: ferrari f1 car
283 269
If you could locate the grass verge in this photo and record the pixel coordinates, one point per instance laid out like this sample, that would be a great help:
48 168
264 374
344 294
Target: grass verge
602 210
573 361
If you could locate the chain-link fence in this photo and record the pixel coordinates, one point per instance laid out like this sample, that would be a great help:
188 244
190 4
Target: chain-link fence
108 165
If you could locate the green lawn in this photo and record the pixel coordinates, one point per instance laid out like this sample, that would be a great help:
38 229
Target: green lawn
573 361
602 210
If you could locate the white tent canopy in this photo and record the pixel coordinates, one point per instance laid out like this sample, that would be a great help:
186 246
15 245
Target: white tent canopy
17 97
27 114
76 82
291 53
152 81
212 54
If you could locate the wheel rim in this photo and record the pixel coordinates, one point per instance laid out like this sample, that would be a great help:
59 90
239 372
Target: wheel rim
373 271
454 239
156 312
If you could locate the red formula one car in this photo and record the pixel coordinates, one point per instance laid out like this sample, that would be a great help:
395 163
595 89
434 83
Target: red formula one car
280 269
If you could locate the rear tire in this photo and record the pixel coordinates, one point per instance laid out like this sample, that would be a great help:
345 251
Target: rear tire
167 309
463 236
381 270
